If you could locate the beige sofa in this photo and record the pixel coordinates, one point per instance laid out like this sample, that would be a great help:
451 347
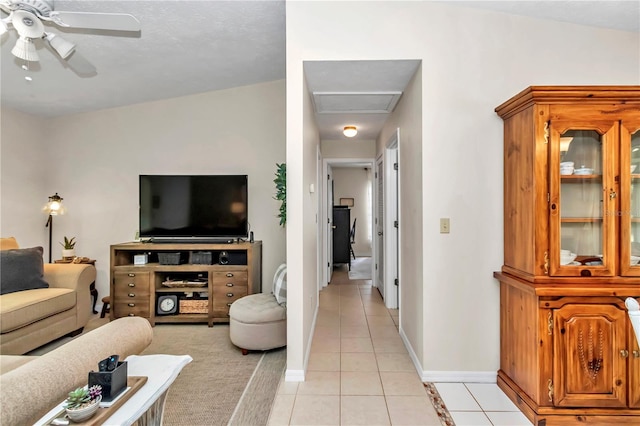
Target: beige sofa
33 385
32 318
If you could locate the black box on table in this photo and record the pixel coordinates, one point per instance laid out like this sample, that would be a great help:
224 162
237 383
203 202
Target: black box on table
112 382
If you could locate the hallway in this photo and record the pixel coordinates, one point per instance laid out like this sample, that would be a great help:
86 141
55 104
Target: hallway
360 372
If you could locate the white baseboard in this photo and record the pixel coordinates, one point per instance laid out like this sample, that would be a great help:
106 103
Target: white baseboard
298 375
294 375
447 376
459 376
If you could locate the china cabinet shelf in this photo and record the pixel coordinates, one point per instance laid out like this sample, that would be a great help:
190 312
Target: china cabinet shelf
567 348
580 178
581 219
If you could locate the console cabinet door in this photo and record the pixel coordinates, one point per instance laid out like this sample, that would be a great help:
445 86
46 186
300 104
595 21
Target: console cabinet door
591 353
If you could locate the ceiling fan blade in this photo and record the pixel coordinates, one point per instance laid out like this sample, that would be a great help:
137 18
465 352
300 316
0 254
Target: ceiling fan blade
97 21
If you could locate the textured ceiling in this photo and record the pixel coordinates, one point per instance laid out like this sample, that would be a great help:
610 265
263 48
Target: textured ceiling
193 46
184 47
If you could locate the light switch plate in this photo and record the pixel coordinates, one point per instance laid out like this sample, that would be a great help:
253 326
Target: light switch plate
444 225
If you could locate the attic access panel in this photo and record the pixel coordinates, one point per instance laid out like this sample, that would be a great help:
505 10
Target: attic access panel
355 102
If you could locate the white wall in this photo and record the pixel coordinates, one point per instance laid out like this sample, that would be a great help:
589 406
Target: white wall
356 183
472 60
93 160
25 171
365 148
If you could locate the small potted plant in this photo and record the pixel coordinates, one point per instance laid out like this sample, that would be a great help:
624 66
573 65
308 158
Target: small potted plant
82 403
68 247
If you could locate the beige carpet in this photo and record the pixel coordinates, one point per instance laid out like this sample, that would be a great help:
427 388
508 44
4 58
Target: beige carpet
219 383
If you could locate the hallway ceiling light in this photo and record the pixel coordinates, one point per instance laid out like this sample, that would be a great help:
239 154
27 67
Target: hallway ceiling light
350 131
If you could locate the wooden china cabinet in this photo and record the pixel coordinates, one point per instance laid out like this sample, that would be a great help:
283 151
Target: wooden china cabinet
571 254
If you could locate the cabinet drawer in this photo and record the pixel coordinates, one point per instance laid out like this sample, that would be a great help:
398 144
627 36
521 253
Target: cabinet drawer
229 278
127 295
124 281
223 297
130 309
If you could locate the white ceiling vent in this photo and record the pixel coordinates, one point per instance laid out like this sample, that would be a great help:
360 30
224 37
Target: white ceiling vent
355 102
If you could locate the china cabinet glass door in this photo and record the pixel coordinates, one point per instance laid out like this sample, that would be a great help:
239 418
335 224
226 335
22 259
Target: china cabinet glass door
630 199
582 199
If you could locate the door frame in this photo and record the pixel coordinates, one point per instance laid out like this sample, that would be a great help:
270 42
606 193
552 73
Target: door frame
391 213
324 219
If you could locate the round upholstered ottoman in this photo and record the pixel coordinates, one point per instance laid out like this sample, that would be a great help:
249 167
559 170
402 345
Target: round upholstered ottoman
258 322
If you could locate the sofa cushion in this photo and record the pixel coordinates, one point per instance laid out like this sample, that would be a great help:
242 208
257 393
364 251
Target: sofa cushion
25 307
280 284
21 269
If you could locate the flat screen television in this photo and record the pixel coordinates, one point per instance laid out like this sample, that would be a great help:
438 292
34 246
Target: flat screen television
193 207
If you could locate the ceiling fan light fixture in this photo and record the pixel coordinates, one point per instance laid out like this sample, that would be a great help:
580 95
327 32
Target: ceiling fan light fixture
3 27
350 131
25 50
63 47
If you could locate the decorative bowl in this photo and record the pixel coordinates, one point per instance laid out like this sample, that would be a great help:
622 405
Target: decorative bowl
566 171
567 259
635 260
81 414
567 164
583 171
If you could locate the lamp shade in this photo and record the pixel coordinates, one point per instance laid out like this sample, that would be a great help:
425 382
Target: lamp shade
350 131
63 47
25 49
54 206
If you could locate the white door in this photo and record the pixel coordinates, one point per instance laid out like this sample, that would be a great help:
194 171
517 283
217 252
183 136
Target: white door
391 222
329 229
379 227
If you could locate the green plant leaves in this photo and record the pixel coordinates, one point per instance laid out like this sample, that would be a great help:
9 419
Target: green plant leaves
281 191
68 243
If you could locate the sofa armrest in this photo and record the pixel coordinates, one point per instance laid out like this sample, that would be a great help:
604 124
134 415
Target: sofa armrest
39 385
69 275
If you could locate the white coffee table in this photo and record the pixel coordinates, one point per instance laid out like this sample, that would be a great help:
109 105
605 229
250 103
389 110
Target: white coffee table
147 404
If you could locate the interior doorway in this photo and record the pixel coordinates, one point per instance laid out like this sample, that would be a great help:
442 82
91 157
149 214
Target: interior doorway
360 202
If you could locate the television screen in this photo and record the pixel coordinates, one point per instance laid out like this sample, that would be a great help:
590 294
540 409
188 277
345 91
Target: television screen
193 206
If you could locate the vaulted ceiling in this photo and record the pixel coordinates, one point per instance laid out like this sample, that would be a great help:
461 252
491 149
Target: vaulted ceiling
187 47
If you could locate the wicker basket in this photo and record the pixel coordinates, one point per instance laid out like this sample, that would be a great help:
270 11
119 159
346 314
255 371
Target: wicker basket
201 258
169 258
194 306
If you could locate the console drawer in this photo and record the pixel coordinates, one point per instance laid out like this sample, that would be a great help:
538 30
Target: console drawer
128 281
229 278
223 297
132 308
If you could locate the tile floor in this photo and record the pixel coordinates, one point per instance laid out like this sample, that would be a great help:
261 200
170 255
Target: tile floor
360 373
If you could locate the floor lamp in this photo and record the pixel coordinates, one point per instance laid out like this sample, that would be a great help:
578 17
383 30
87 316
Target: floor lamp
53 207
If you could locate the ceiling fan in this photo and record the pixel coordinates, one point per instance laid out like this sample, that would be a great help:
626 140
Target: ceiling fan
28 18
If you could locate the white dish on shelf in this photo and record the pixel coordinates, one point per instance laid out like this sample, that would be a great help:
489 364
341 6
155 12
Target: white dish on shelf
583 171
574 263
635 260
633 167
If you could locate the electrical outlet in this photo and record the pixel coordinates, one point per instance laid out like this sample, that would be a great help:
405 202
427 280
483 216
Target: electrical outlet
444 225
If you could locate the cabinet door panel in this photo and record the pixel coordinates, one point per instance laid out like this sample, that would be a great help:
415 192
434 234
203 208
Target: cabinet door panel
630 198
582 195
589 368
